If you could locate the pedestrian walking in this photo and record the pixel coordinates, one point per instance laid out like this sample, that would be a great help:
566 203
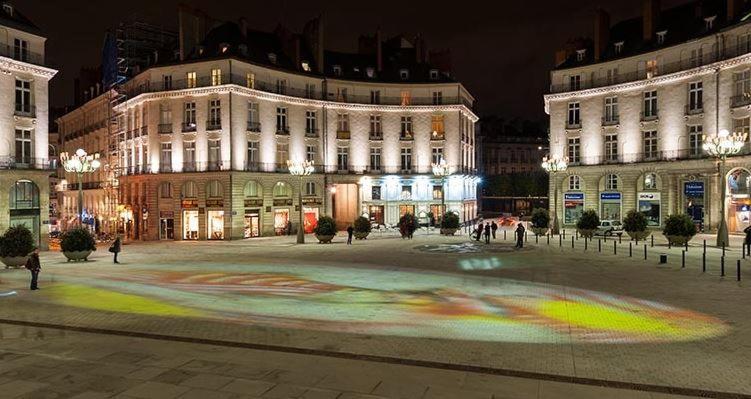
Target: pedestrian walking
479 231
350 232
34 267
519 235
747 241
116 247
493 228
487 233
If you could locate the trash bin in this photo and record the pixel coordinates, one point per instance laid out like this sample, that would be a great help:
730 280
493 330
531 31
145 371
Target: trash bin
663 259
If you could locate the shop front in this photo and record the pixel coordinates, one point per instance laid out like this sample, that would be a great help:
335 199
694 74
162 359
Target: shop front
610 206
215 219
693 192
573 207
739 200
282 216
190 219
376 214
252 221
649 206
311 212
166 225
405 209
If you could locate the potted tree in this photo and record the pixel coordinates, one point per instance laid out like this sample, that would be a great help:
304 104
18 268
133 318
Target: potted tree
16 245
362 228
588 223
325 231
540 221
77 244
449 224
407 225
635 225
679 229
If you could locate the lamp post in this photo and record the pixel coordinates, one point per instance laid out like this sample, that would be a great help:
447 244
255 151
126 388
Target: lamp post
80 163
300 169
553 166
721 146
442 171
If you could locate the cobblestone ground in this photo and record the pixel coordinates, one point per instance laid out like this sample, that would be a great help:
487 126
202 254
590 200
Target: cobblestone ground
548 313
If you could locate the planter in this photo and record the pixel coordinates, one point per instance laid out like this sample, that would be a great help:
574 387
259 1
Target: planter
361 235
540 231
639 235
324 239
678 240
448 232
14 261
77 255
589 233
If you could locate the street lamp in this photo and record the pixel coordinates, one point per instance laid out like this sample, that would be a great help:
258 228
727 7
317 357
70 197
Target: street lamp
300 169
553 166
721 146
442 171
80 163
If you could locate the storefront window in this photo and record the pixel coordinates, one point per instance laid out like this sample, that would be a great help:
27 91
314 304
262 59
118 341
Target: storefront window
694 193
649 205
310 218
573 207
739 207
252 226
376 214
216 225
610 206
281 221
190 224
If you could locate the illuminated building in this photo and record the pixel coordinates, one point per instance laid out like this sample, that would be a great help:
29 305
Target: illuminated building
25 165
630 109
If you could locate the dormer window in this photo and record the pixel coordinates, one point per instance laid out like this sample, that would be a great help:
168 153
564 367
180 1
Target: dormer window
337 70
356 69
224 48
272 58
305 65
618 47
200 50
709 22
8 9
243 49
580 54
370 72
433 74
403 74
661 37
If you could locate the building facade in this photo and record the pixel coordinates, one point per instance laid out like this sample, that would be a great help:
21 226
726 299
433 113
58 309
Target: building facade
25 166
631 110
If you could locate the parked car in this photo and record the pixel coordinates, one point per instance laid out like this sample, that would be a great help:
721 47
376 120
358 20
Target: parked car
609 228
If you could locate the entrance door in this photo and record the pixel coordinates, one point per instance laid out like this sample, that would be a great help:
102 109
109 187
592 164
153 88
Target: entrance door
190 224
281 219
252 224
310 219
376 214
166 229
215 225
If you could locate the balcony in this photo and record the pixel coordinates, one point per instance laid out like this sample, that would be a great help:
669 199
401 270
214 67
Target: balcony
252 166
375 170
189 166
144 131
342 134
406 136
694 109
165 128
282 130
21 55
437 136
376 136
741 100
165 168
281 168
214 166
649 116
10 162
573 125
215 124
311 132
611 120
26 111
254 127
189 127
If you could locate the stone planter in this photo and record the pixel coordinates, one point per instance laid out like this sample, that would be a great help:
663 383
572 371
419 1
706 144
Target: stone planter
77 255
540 231
678 240
448 232
639 235
589 233
361 235
324 239
14 261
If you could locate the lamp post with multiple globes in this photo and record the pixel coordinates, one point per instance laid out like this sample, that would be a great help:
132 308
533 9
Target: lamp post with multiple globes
720 146
80 163
301 170
442 171
553 166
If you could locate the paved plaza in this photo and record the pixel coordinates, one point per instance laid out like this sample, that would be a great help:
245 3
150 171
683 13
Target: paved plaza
432 317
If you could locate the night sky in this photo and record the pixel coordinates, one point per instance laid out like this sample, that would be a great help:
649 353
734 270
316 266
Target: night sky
502 50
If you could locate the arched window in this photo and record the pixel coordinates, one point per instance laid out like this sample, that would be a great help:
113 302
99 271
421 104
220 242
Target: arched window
574 183
611 182
165 190
214 189
24 195
252 189
310 188
650 181
282 189
189 190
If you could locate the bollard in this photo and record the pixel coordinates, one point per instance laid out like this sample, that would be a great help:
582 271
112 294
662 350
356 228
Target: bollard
504 235
599 245
669 244
686 245
526 238
653 241
605 237
645 251
585 243
705 246
630 250
537 239
723 249
722 266
548 238
683 259
576 234
572 242
560 240
620 238
704 263
564 234
615 248
738 270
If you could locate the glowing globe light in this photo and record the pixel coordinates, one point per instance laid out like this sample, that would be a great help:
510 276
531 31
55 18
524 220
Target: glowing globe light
300 169
80 163
554 165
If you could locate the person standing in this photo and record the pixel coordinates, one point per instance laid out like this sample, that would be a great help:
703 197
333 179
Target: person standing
116 247
493 228
520 235
487 233
350 232
479 231
747 241
34 267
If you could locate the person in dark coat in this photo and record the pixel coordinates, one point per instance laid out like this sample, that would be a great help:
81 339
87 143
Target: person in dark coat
116 248
487 233
34 267
480 229
350 232
747 241
493 228
520 235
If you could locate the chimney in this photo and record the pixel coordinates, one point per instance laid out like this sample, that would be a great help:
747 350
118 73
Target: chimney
734 9
650 18
602 33
379 50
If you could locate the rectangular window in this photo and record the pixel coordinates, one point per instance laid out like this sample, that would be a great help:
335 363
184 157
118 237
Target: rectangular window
253 117
189 116
652 69
310 90
406 98
342 158
437 97
216 77
695 140
191 80
215 154
742 87
650 104
741 126
611 110
375 96
310 153
436 155
574 83
167 82
281 121
282 153
375 127
695 96
189 156
375 193
20 50
574 150
165 157
437 127
406 158
611 148
573 119
375 159
310 189
697 56
215 115
406 128
650 145
612 76
23 97
253 158
250 80
281 86
342 122
311 123
23 146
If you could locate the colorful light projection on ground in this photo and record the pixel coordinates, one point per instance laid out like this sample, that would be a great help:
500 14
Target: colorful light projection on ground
383 302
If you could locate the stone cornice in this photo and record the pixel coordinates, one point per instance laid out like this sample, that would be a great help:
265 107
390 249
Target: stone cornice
9 64
645 83
307 102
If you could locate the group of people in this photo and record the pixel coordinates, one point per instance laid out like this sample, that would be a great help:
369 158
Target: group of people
488 230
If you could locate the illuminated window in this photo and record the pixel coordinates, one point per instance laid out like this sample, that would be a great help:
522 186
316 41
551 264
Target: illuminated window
216 77
437 126
574 183
305 65
652 70
650 181
404 74
337 70
581 54
250 79
661 37
695 139
618 48
406 97
191 80
611 182
406 128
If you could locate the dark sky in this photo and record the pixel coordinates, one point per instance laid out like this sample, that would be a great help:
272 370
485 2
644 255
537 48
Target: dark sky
502 50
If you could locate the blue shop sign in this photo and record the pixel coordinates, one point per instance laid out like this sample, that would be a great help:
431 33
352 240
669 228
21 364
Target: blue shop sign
610 196
573 196
693 189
